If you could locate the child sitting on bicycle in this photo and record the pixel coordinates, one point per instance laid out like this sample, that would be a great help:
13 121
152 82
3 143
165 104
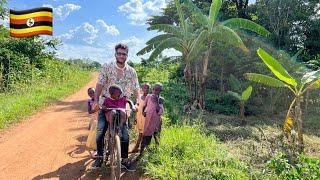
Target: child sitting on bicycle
152 110
116 101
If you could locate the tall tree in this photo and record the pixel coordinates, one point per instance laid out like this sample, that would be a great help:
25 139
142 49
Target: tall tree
224 32
182 38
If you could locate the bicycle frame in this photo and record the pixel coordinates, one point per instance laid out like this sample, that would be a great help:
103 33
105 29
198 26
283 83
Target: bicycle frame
112 147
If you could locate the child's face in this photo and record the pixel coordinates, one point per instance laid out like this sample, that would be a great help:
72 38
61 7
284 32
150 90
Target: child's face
145 89
91 93
116 94
157 90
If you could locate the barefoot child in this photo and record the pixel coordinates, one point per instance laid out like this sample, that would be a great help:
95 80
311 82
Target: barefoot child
152 110
139 116
92 114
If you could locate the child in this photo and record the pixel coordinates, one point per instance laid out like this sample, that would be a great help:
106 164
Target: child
152 110
139 117
116 101
92 114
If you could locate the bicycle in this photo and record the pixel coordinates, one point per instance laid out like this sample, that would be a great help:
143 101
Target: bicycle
112 142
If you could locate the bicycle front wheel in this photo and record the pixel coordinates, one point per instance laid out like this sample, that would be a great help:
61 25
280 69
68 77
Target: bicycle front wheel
115 160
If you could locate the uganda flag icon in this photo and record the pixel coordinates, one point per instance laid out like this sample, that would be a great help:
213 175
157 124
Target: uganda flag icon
31 22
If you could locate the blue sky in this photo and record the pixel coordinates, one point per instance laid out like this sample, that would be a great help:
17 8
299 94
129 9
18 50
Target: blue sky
90 29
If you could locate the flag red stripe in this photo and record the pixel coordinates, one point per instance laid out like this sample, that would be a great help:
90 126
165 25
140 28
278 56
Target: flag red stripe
36 19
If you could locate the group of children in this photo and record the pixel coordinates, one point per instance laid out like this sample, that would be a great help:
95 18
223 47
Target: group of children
149 108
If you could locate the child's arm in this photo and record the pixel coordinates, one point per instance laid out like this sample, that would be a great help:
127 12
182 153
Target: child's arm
90 109
161 106
161 110
145 106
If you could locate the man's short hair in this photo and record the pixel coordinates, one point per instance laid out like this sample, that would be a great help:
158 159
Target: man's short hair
121 46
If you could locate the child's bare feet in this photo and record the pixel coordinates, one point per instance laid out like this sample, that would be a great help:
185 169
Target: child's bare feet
134 150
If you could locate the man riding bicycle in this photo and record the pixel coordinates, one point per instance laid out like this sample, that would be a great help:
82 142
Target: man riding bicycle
123 75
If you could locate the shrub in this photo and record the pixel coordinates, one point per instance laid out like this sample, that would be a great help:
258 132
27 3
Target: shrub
186 153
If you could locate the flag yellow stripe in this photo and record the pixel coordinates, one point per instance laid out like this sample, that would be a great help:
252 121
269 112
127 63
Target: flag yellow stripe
31 29
31 15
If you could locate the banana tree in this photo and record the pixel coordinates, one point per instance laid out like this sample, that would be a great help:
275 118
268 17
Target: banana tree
222 32
243 98
309 81
182 38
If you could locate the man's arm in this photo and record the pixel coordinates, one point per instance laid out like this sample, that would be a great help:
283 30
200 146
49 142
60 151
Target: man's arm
102 79
97 96
130 104
137 95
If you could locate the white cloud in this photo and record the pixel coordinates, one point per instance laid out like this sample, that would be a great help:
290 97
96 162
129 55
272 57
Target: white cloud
85 32
75 51
138 11
134 43
106 53
88 32
63 11
317 11
5 21
110 29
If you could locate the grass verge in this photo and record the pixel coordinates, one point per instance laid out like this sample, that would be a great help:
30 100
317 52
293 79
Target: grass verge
15 106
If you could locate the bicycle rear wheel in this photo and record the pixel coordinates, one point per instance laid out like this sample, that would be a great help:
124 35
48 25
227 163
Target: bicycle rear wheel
115 160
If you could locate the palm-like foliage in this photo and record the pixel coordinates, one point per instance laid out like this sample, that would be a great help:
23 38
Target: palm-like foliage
243 98
309 81
223 32
182 38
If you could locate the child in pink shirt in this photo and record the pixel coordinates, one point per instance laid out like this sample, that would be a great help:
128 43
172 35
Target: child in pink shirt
152 110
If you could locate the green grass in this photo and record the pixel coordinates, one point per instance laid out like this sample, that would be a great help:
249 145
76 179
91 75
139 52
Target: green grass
187 153
15 106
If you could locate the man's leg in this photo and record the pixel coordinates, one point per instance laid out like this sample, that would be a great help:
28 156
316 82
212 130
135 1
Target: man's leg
124 141
101 130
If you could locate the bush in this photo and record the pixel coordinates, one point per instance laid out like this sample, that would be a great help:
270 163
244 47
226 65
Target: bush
305 167
186 153
223 103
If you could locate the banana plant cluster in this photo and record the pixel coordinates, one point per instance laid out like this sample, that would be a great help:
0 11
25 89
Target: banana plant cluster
308 82
196 44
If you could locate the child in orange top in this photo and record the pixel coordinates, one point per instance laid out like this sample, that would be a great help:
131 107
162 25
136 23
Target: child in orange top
139 116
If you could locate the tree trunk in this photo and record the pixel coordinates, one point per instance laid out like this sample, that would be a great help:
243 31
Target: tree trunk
243 121
221 80
306 101
187 76
196 82
203 77
299 123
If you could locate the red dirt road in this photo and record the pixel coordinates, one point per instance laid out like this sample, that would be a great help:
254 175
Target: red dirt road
51 144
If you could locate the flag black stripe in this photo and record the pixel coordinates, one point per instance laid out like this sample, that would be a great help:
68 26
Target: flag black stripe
23 26
30 11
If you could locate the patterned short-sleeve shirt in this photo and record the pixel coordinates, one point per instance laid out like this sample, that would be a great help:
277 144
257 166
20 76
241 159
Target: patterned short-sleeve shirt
108 76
